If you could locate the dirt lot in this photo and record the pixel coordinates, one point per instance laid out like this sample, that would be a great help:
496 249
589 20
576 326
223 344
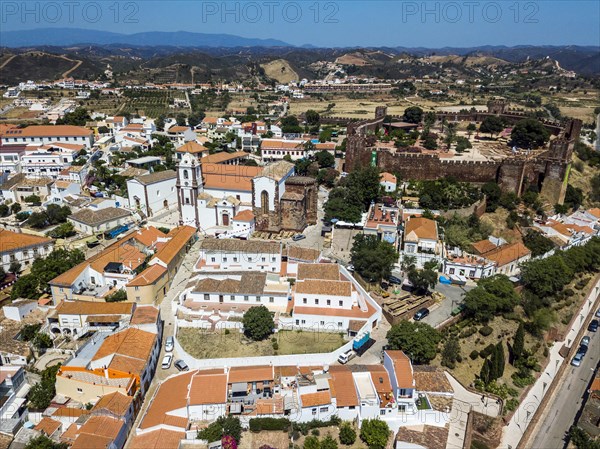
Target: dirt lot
277 440
206 345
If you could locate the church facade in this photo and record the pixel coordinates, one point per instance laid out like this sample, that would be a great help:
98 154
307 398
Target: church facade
234 200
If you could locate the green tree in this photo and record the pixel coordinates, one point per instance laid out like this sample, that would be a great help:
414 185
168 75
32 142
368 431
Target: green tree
15 267
364 184
545 277
418 340
42 341
223 426
375 433
312 117
329 443
537 243
485 374
43 442
492 295
160 122
26 287
311 442
341 205
492 125
347 434
493 193
41 393
78 117
325 159
29 331
118 296
529 133
499 360
31 199
258 323
181 119
372 258
471 128
462 144
15 208
62 231
413 114
451 352
290 125
518 345
573 197
422 280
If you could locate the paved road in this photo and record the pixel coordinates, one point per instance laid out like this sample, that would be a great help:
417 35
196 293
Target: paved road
521 419
454 296
167 314
567 400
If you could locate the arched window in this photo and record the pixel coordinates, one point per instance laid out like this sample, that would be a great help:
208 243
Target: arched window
185 174
264 202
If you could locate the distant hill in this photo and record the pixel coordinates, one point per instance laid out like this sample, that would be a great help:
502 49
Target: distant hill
72 36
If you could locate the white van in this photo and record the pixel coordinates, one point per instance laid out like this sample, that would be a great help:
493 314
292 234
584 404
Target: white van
346 356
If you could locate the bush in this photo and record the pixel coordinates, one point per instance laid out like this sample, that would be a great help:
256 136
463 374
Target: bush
375 433
315 432
479 445
486 331
118 296
347 434
487 351
511 404
468 332
259 424
474 354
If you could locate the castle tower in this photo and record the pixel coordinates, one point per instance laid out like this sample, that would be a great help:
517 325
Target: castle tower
189 186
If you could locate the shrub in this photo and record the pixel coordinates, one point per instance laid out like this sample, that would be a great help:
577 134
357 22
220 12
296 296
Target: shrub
315 432
474 354
259 424
487 351
479 445
275 346
486 331
511 404
347 434
468 332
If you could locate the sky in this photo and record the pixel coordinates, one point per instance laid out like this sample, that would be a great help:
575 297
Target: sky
343 23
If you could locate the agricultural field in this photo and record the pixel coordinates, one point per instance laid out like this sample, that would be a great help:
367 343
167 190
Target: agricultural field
151 103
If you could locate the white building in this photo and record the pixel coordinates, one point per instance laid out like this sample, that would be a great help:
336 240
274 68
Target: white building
22 248
239 255
388 182
277 149
421 240
154 193
48 134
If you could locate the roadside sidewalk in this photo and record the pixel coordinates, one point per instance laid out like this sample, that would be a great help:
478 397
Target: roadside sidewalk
513 432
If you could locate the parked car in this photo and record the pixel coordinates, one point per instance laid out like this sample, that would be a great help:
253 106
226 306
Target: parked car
169 344
350 268
298 237
582 350
585 341
577 359
395 280
346 356
593 327
181 365
166 362
422 313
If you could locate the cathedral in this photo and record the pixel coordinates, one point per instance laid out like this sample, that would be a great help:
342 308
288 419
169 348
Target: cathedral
235 200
